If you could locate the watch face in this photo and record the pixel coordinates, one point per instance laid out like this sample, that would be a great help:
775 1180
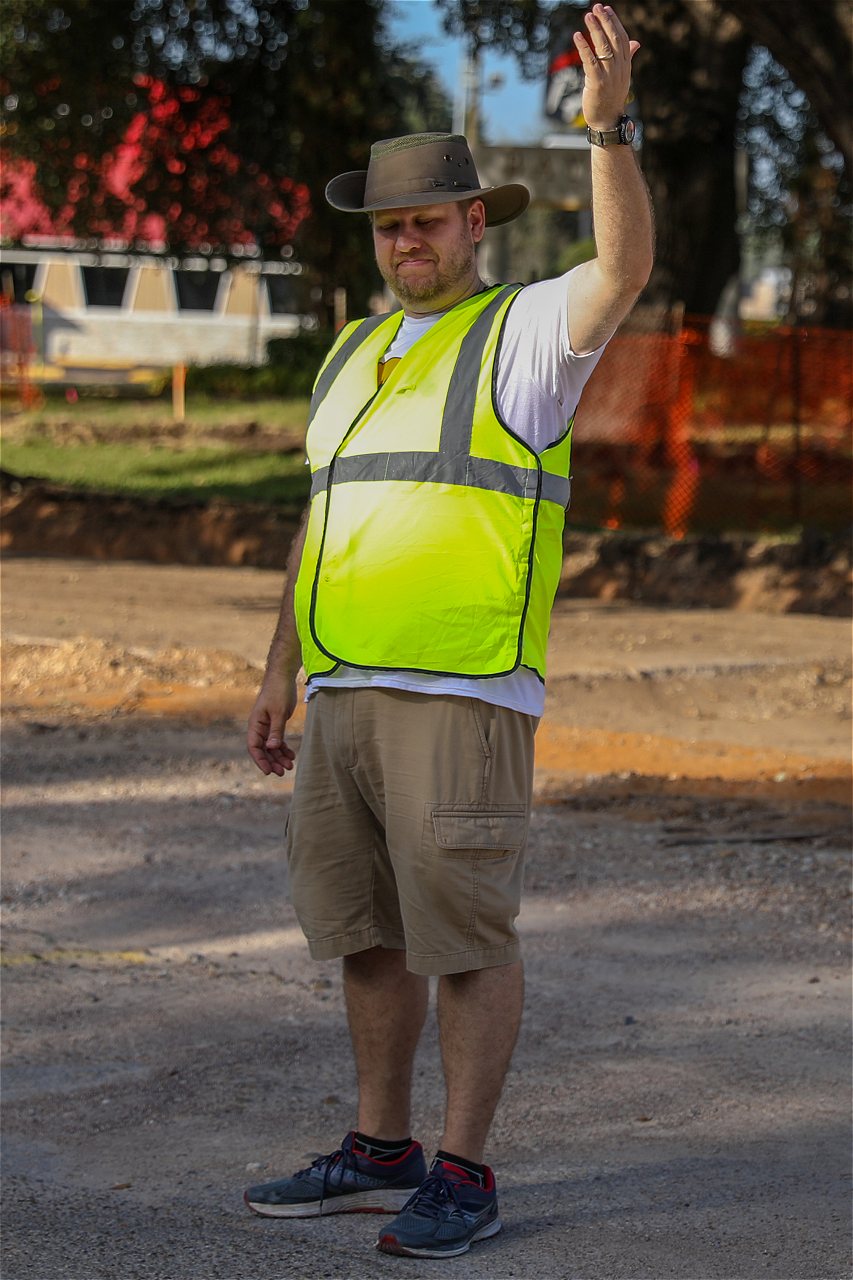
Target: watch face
628 130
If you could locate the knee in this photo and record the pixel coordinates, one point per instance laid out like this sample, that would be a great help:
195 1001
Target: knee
374 962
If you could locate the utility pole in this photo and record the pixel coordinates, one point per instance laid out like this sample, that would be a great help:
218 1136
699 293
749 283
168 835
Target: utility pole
466 108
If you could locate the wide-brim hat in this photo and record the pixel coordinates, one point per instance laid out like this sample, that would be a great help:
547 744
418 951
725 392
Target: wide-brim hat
423 168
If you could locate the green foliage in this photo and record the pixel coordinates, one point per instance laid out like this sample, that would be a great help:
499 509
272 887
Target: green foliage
244 382
574 254
66 77
800 202
290 371
300 357
687 78
422 106
305 87
191 474
813 41
519 27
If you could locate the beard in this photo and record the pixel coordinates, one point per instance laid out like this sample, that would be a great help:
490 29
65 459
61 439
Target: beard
443 281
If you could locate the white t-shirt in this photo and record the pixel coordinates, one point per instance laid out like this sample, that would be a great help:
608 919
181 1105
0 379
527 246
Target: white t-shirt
539 384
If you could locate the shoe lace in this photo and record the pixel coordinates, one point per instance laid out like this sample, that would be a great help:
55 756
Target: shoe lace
340 1161
434 1197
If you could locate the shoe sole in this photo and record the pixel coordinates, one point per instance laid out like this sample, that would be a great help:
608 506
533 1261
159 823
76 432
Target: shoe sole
353 1202
390 1244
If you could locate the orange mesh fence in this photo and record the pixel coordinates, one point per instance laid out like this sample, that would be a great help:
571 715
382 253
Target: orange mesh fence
16 352
700 432
693 432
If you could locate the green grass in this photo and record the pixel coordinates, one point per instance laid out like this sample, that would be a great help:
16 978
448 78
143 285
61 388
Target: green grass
198 474
132 448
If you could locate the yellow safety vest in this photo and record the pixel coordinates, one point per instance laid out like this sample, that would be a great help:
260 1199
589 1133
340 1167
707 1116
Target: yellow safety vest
434 538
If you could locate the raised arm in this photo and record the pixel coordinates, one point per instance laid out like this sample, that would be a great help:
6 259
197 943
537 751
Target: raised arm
276 701
603 291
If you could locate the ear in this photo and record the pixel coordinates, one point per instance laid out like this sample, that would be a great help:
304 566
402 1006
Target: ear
477 220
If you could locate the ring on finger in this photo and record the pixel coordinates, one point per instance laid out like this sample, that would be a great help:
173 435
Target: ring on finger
604 57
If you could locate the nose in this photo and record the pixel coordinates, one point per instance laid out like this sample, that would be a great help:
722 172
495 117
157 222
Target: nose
408 238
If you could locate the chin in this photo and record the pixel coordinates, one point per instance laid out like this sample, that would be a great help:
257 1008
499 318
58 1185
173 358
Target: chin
406 293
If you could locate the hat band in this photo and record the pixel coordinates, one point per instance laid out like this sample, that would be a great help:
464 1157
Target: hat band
412 186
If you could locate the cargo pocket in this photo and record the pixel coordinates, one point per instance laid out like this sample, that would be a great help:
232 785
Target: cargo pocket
480 831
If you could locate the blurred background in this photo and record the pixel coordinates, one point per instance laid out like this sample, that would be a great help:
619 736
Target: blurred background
171 274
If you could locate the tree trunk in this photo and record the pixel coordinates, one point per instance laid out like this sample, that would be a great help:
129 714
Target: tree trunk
687 77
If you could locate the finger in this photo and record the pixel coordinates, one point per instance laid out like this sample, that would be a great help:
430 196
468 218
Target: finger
612 28
590 62
276 745
267 764
598 36
256 744
259 755
276 722
260 758
278 754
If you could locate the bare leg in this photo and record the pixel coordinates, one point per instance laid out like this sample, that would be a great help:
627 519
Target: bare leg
386 1008
479 1014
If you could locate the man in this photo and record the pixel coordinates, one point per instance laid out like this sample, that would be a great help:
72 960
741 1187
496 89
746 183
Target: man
424 575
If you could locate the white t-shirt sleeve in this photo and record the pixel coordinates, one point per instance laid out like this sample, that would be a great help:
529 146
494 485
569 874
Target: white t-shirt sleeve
540 378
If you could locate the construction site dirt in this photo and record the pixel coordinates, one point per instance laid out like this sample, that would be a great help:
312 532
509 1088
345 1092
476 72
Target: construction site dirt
679 1101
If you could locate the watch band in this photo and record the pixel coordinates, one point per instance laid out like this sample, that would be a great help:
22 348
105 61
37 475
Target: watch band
621 136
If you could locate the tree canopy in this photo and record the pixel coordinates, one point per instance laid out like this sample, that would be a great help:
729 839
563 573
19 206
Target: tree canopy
813 41
224 119
217 123
695 108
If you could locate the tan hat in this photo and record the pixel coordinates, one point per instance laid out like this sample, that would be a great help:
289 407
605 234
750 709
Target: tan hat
423 168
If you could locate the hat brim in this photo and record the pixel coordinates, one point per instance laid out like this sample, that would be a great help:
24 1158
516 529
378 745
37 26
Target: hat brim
502 204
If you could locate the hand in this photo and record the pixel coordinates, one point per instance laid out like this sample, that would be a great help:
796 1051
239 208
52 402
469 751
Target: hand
275 704
606 54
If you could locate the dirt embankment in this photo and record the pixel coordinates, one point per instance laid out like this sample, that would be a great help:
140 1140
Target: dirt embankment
812 575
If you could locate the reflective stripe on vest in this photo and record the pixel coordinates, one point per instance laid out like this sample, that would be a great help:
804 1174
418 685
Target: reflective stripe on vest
427 578
434 468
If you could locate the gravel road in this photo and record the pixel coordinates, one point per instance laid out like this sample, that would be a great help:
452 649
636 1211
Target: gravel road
679 1102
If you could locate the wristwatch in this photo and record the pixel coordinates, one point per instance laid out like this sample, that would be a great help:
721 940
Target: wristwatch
622 135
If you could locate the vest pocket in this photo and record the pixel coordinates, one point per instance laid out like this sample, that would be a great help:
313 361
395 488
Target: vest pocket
488 830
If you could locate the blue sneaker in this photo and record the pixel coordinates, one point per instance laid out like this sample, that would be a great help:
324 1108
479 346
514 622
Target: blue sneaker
445 1216
346 1181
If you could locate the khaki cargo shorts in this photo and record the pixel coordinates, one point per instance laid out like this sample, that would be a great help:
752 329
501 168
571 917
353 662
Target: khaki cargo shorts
408 825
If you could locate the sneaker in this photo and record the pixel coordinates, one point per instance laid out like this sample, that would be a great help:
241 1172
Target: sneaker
344 1182
445 1216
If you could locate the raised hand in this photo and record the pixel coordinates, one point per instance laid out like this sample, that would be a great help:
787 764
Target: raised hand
606 54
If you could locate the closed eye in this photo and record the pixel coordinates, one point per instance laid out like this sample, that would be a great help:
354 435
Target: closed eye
391 228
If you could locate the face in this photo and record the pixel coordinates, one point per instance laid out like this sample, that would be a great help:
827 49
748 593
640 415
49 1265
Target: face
426 254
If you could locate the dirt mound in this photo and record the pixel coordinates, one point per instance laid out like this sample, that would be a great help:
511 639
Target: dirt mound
770 575
43 519
88 676
811 575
